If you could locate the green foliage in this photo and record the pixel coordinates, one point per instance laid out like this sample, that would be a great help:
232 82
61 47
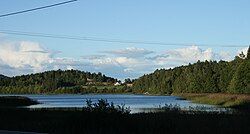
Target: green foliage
103 106
241 79
68 81
200 77
248 53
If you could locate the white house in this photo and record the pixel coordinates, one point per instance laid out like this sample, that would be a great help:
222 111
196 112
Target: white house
117 84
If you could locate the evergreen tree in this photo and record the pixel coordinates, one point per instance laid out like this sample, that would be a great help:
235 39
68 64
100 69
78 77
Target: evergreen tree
248 53
241 79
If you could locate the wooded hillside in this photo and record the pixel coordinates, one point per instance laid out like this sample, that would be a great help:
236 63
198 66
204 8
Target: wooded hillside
200 77
50 81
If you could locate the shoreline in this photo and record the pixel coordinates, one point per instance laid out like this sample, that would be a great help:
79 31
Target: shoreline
236 101
16 101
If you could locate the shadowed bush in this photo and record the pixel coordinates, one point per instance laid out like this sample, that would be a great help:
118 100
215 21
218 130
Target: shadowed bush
103 106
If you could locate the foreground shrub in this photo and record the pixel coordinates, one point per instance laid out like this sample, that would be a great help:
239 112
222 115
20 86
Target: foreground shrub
103 106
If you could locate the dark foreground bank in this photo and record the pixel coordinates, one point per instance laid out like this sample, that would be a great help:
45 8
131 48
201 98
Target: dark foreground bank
94 122
16 101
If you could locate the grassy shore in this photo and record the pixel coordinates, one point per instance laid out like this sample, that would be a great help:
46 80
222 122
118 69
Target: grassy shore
238 101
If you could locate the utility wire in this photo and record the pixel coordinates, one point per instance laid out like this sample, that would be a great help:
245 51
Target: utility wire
44 35
38 8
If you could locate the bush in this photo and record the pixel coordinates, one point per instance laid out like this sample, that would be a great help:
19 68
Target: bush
103 106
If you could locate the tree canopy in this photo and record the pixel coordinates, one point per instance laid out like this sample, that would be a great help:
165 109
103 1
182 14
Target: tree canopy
200 77
51 81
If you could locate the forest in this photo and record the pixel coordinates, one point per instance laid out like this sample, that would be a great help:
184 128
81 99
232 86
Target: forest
67 81
200 77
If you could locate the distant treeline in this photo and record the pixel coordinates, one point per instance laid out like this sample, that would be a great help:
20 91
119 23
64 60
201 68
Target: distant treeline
200 77
69 81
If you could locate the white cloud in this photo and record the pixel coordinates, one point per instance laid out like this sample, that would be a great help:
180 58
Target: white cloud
190 54
70 67
121 66
244 50
24 55
182 56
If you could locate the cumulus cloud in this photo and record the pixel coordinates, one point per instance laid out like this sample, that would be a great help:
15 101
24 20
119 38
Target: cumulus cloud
128 62
244 50
187 55
24 55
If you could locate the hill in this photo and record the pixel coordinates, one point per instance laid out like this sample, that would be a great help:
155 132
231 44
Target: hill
200 77
69 81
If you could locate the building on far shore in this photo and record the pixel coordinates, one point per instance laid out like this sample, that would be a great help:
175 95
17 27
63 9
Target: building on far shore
129 85
117 84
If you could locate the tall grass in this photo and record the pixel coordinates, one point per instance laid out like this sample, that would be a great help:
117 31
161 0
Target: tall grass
239 101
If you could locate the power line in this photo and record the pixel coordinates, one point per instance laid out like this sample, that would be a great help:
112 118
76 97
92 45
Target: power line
44 35
38 8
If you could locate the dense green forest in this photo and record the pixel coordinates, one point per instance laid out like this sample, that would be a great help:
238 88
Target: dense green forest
200 77
69 81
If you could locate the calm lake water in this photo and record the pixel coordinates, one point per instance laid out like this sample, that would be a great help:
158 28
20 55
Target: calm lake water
137 103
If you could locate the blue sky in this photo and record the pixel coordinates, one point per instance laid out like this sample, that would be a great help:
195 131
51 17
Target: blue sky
212 22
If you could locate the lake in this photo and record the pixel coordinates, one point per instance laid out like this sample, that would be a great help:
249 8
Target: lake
137 103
